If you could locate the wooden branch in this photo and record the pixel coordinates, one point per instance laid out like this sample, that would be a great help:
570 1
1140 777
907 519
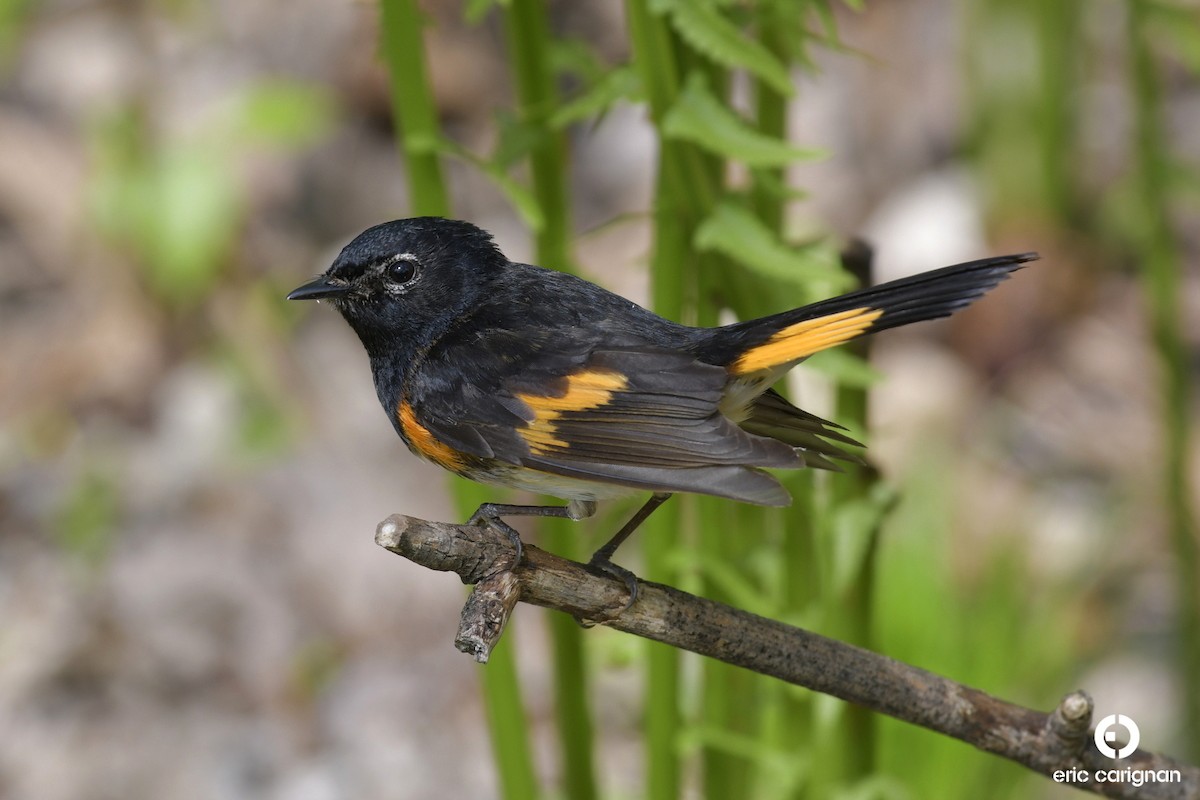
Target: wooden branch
1059 742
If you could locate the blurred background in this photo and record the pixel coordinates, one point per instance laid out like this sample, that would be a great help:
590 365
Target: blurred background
191 469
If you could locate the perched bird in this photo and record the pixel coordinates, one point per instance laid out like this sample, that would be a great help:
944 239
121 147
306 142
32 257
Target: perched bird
521 376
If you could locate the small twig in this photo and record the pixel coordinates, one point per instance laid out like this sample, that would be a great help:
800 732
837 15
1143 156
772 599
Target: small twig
1046 743
486 613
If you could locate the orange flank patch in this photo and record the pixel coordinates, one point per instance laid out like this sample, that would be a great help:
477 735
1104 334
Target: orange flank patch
585 390
424 443
805 338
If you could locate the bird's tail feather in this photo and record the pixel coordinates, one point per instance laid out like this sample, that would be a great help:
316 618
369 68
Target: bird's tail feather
782 339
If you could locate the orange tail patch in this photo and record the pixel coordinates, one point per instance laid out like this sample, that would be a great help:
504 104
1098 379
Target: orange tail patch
802 339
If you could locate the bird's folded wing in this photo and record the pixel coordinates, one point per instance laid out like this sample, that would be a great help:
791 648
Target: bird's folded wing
633 416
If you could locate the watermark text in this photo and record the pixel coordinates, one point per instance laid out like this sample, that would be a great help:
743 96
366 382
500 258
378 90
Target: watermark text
1107 743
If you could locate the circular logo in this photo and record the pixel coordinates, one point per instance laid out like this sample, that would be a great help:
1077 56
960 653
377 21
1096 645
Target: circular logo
1105 735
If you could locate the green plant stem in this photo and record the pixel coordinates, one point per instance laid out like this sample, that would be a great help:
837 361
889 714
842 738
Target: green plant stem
417 129
656 56
724 688
686 192
506 715
1161 277
660 535
663 717
1059 29
854 606
528 36
418 134
770 110
653 56
508 730
792 719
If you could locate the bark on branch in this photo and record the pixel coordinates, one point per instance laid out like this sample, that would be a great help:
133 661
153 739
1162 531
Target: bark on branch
1045 743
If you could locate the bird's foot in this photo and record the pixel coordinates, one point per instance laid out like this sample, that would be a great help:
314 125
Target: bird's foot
488 515
600 562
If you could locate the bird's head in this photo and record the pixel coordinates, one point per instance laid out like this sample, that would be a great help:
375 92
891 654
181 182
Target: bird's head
401 278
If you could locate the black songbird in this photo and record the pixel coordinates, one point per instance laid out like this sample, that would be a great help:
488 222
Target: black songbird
521 376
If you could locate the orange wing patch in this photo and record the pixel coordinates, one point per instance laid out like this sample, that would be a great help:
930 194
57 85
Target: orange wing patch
424 443
585 390
805 338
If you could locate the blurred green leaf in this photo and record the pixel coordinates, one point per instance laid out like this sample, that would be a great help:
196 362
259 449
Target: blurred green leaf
179 202
266 423
783 764
876 787
776 185
737 588
177 205
575 57
119 148
189 220
701 25
698 116
618 84
854 527
13 16
285 114
315 665
844 367
828 20
1185 177
518 137
263 428
1178 24
734 231
521 197
476 10
87 521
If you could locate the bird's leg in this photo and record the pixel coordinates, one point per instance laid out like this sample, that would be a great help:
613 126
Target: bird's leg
490 514
602 558
605 553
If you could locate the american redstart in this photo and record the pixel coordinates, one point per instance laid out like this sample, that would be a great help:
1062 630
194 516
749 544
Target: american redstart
522 376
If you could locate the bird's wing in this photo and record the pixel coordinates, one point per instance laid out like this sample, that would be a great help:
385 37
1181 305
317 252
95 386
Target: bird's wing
636 416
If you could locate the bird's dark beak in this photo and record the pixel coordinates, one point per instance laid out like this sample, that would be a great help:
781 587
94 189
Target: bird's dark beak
317 289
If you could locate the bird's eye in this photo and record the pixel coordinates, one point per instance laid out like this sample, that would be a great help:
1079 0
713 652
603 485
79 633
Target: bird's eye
402 270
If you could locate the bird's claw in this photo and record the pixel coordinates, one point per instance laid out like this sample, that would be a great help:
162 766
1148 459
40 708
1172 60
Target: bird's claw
599 563
493 521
